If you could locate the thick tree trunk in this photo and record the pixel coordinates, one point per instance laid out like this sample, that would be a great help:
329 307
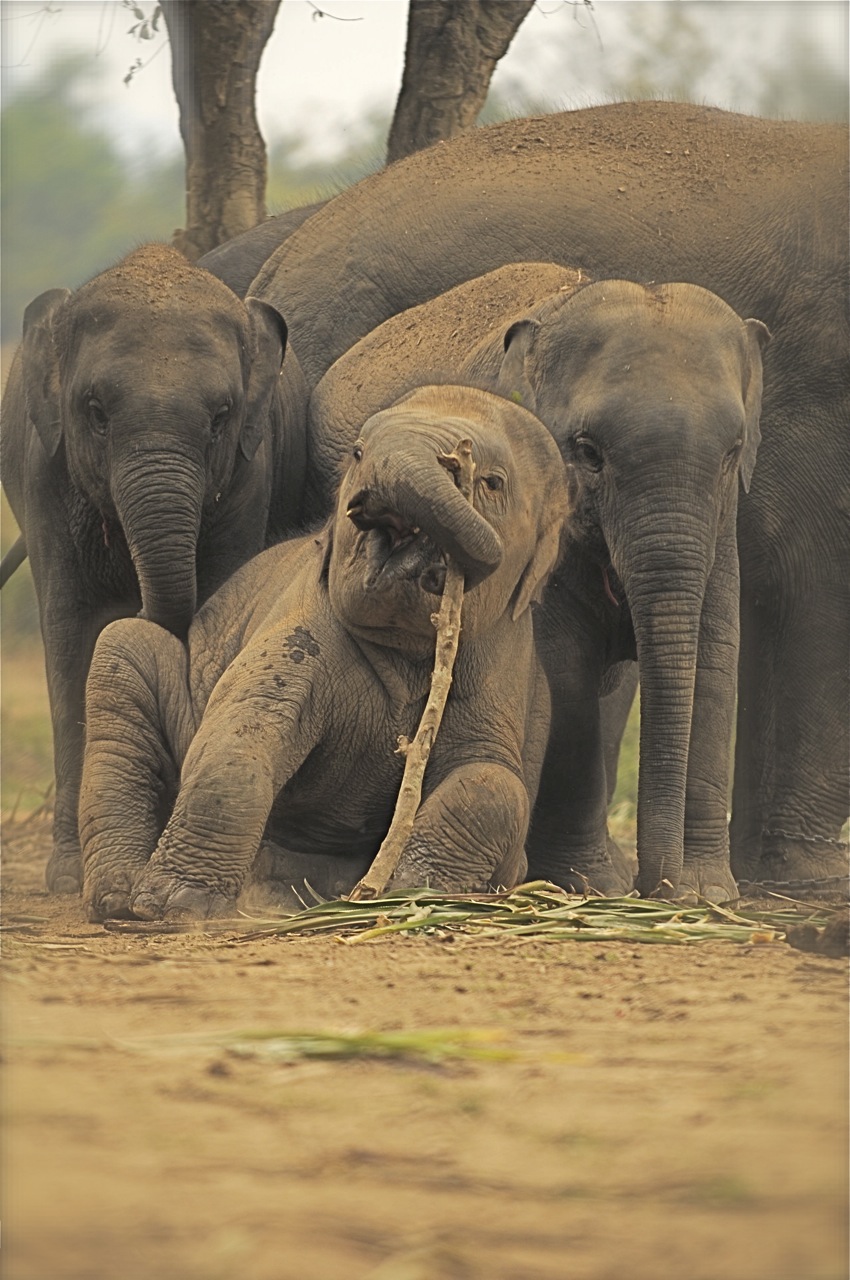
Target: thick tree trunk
452 50
216 46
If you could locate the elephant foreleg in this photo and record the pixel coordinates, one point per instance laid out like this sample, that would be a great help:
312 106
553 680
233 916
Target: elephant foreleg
568 842
469 834
67 649
793 759
614 709
140 723
255 734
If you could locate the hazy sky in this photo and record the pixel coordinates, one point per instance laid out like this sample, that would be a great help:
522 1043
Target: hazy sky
319 74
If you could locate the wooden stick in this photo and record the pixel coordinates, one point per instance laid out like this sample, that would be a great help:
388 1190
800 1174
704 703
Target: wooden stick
417 751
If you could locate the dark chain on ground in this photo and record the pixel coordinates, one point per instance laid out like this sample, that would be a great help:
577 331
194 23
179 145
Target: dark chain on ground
798 835
783 886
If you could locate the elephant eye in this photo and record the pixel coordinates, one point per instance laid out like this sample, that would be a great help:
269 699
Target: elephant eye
731 457
357 452
494 483
587 454
97 416
219 419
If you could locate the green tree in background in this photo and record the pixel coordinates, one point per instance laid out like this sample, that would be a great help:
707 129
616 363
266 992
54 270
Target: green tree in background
69 203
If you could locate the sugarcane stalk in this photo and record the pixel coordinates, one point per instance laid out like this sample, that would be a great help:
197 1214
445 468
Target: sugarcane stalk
418 749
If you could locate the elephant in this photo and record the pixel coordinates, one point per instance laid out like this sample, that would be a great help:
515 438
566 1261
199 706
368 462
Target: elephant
277 722
435 339
237 261
753 210
153 441
652 394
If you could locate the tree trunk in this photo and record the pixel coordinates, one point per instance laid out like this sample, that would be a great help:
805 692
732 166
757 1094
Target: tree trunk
452 50
216 47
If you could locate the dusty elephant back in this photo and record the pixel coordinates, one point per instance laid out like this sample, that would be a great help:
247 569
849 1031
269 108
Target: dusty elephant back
649 190
434 339
237 261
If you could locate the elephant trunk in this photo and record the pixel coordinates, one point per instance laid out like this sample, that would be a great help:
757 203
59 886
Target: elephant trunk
664 573
158 496
412 483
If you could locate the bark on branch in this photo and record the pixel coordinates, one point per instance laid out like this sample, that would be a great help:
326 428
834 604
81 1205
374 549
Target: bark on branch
417 751
216 46
452 50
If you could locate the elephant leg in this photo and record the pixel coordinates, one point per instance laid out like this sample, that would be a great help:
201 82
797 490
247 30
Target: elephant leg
568 842
614 709
802 801
706 872
69 632
469 835
140 722
66 676
248 745
754 735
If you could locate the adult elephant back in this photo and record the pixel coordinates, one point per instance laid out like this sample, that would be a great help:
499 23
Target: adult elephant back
754 210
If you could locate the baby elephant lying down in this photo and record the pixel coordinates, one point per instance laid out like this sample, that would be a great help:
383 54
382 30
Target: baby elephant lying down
280 717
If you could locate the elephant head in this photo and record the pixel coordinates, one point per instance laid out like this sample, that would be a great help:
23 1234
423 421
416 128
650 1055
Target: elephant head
399 513
653 395
156 381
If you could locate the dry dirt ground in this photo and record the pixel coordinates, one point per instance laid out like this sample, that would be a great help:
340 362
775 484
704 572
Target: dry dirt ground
663 1111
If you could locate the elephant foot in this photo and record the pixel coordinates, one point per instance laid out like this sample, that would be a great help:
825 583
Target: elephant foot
705 880
106 891
163 895
108 905
64 871
330 876
606 875
801 867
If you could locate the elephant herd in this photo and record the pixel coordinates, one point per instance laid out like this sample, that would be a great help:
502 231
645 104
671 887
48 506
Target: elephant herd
637 314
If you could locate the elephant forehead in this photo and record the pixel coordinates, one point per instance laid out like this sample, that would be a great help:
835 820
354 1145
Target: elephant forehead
631 345
444 430
128 329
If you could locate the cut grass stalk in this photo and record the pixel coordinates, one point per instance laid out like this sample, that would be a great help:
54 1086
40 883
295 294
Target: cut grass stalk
531 911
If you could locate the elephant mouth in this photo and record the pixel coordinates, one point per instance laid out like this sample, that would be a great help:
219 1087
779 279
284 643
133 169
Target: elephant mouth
396 550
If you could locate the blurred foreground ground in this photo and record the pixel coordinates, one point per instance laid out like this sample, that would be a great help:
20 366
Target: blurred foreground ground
662 1112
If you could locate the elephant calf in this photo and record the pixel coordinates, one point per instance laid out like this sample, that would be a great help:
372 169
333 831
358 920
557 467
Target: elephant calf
282 713
153 441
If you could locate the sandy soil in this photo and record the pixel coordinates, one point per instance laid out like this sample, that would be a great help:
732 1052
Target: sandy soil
665 1111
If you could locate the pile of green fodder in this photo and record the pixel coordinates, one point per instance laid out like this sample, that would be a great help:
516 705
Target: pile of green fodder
538 910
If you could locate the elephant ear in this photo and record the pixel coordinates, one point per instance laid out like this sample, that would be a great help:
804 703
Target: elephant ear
757 337
40 365
269 334
543 561
514 383
325 541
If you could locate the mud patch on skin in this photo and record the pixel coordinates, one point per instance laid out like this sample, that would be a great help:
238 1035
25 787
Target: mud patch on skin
300 644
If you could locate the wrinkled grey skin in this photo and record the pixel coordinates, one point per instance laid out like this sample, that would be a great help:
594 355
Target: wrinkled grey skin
150 437
653 397
237 261
755 211
300 674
